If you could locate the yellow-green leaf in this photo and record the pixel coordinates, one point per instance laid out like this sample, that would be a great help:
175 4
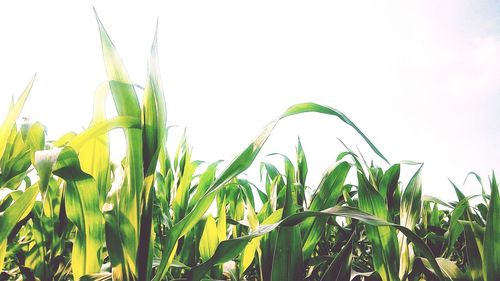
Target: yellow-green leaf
209 239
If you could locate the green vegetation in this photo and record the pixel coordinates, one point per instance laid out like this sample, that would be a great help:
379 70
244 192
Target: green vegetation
174 218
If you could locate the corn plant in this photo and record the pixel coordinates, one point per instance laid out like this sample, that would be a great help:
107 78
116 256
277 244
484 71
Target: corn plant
67 212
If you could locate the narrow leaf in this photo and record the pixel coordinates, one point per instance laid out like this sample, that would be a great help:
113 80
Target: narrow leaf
491 259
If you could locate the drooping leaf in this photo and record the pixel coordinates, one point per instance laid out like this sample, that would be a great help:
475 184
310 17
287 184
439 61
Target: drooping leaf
239 164
449 269
104 276
230 248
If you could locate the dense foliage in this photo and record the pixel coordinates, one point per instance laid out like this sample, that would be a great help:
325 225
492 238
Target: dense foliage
68 213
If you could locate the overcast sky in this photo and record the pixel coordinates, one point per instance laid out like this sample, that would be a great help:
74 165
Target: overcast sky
421 79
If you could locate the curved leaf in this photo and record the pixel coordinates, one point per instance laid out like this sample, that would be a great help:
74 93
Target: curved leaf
230 248
449 269
239 164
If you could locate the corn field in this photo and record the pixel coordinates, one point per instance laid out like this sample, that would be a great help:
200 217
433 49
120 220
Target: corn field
67 212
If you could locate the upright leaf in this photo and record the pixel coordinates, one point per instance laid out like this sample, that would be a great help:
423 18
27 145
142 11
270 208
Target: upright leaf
130 193
411 203
10 120
388 186
209 239
326 196
340 267
383 238
287 260
14 213
95 154
491 259
82 208
474 251
154 118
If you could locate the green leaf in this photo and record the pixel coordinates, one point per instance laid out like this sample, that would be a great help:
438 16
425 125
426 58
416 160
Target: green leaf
410 212
474 250
230 248
114 240
14 213
326 196
180 203
82 208
239 164
209 239
313 107
455 228
94 153
10 120
154 131
35 139
100 128
131 191
154 114
287 259
491 259
449 269
248 254
428 198
340 267
388 186
105 276
301 172
206 179
301 164
383 238
44 164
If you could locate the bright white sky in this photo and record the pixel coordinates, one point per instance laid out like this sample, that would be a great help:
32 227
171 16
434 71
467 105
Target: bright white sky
420 79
